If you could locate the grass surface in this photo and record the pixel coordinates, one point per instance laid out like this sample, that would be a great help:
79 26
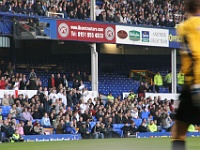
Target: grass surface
104 144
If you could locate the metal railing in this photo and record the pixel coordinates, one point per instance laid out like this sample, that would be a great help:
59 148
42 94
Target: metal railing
142 75
23 31
50 14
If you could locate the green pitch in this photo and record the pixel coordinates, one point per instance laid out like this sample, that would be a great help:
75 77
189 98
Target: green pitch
105 144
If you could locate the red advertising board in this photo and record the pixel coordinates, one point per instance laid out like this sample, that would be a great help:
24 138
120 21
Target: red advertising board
85 31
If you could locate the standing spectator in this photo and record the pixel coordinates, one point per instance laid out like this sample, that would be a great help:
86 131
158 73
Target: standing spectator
76 84
71 77
38 8
16 84
152 88
64 82
168 80
10 69
36 114
51 82
32 74
47 104
32 85
69 99
53 96
23 83
141 90
58 81
85 77
158 82
181 78
2 83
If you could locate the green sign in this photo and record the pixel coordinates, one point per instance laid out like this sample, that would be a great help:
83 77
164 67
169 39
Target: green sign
134 35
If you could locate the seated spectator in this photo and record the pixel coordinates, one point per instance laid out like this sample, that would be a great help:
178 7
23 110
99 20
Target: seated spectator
96 131
16 137
5 101
59 128
133 128
28 128
8 128
125 129
11 99
1 114
45 120
143 128
191 128
152 127
26 115
85 134
20 128
13 111
38 129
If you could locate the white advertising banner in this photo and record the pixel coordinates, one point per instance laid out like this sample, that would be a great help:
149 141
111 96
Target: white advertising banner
142 36
30 93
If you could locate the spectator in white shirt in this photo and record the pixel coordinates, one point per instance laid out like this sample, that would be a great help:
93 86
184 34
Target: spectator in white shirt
53 96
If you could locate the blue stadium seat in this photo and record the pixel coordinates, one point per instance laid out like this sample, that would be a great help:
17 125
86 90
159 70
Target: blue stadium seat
117 128
92 124
145 115
137 122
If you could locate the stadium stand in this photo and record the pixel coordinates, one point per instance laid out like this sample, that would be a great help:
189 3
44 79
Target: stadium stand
137 12
95 110
63 100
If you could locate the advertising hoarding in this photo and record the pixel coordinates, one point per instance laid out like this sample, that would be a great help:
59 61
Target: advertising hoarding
85 31
142 36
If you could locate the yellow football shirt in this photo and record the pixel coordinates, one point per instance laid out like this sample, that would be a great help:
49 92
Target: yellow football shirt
190 49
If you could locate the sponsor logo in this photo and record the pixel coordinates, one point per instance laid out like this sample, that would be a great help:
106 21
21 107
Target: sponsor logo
122 34
175 38
109 33
134 35
145 36
63 30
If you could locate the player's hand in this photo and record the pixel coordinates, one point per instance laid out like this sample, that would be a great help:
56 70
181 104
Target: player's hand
195 93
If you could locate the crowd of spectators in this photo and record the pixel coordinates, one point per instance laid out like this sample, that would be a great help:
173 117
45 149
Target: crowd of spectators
65 109
137 12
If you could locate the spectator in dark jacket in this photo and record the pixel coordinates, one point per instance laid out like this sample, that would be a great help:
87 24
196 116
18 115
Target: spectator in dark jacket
85 134
28 128
143 128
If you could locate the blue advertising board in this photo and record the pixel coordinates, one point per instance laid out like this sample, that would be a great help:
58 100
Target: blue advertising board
174 40
163 134
53 137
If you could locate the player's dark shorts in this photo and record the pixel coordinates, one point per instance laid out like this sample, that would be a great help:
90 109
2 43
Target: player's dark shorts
186 111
